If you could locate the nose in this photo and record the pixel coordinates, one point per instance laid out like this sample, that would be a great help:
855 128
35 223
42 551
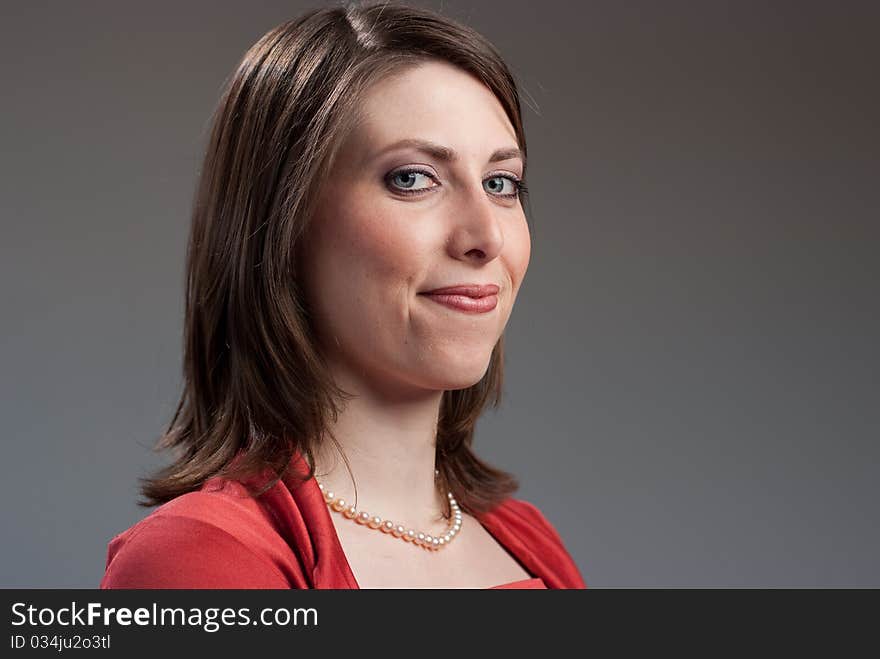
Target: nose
477 232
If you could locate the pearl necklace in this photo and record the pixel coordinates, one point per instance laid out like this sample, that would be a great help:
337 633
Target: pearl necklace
391 528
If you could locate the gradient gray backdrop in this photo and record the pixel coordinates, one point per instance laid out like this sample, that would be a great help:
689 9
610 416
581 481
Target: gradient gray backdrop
692 369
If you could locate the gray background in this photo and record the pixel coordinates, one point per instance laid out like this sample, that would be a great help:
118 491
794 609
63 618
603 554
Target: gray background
692 392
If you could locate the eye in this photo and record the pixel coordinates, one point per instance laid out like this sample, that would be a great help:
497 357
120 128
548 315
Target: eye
405 181
515 188
408 179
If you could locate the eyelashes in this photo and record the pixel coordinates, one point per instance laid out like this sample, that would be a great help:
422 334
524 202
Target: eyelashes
519 185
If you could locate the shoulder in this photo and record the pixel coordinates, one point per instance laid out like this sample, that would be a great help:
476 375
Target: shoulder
539 534
203 539
525 512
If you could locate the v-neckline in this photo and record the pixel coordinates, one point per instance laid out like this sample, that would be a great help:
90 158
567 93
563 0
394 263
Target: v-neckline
507 541
520 584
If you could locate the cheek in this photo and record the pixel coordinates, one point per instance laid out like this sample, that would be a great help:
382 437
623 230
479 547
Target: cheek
373 255
385 251
518 247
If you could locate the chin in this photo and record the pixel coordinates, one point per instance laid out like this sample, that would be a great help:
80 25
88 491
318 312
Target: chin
458 373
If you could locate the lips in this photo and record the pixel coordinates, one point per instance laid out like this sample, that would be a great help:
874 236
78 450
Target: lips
470 298
467 290
465 303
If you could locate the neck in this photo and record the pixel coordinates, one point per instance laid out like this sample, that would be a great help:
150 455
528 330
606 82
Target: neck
389 440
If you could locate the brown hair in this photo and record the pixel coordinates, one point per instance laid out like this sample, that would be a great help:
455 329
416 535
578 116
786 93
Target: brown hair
256 389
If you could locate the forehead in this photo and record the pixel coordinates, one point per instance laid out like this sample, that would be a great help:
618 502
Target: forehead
435 101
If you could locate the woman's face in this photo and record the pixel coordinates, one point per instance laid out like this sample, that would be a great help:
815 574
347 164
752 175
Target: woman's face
383 235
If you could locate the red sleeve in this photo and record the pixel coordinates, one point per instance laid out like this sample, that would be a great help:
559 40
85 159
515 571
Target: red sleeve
168 551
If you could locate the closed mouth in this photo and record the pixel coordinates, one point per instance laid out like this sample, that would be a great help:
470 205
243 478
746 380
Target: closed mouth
466 290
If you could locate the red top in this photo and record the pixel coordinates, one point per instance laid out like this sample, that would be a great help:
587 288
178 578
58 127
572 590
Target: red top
221 537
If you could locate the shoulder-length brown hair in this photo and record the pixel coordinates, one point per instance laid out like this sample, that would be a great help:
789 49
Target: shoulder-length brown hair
256 389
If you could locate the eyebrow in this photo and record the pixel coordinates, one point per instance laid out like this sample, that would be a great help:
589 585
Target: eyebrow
450 155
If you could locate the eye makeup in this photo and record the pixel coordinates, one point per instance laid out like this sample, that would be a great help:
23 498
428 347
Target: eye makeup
519 185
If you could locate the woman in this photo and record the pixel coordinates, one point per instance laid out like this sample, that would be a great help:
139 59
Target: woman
362 161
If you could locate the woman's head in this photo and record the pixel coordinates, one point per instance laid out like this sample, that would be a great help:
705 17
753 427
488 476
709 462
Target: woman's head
307 251
394 220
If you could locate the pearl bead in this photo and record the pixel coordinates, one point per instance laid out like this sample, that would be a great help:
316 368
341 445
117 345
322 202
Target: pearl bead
424 540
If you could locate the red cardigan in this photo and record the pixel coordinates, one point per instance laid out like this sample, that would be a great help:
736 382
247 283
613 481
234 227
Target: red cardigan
220 537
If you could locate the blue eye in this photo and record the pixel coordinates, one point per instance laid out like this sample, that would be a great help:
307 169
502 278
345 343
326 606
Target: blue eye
497 183
409 177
